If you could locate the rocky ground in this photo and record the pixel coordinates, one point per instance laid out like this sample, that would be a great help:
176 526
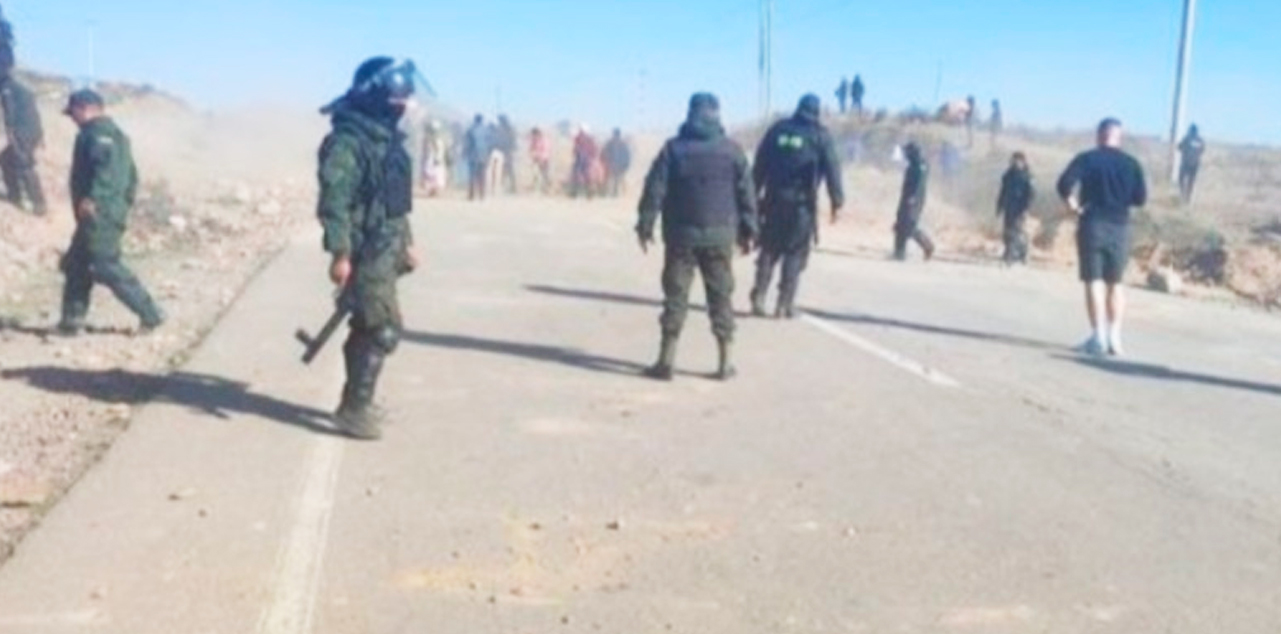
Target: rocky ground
220 195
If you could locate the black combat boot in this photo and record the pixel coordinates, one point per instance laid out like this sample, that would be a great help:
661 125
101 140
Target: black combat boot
758 303
664 369
786 305
726 370
357 416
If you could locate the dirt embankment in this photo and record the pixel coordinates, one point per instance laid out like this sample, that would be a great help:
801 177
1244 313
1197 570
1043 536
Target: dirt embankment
220 194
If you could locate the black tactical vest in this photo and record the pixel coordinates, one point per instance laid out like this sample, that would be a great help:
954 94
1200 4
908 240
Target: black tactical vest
701 191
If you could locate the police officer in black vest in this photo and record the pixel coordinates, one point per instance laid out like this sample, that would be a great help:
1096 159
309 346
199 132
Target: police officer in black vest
794 158
701 186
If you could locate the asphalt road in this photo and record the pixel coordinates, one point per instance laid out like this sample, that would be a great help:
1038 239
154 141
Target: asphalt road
921 452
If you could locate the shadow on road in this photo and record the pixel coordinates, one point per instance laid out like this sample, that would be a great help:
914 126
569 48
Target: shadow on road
1158 372
49 332
872 320
536 352
211 395
616 298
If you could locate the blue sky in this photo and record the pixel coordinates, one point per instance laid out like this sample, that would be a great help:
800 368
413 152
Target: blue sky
634 62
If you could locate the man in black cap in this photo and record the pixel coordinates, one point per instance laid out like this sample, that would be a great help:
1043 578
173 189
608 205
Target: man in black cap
701 186
795 157
366 195
25 135
104 182
911 205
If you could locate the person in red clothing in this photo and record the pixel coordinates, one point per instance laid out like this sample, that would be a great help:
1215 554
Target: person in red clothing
586 161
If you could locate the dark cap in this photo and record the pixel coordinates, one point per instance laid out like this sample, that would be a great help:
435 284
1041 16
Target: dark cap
1108 124
704 104
810 106
82 98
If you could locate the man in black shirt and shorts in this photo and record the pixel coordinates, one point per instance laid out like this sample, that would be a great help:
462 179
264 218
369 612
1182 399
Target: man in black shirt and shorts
1101 187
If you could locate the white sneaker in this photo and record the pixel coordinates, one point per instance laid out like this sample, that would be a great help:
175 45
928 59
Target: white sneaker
1116 349
1093 347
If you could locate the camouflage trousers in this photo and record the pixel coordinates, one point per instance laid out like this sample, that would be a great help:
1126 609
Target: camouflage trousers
375 302
715 263
94 258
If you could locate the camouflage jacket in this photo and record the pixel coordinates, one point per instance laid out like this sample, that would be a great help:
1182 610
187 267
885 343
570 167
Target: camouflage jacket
366 187
103 171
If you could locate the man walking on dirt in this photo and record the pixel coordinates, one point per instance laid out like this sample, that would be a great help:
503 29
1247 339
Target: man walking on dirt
104 182
25 136
1012 206
911 206
366 195
701 186
506 145
1101 187
795 157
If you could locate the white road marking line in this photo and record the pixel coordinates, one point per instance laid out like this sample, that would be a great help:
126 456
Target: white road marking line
293 604
885 354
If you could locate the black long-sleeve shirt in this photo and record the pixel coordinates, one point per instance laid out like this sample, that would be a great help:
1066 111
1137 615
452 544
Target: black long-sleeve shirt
1111 181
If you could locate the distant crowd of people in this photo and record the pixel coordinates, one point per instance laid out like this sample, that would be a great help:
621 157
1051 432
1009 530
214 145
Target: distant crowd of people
482 159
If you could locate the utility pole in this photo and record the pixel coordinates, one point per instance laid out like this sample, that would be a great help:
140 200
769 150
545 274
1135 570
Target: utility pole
92 28
1181 85
938 86
767 58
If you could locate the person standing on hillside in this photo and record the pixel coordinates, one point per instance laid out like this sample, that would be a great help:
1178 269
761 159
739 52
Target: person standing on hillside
618 161
477 146
366 196
701 187
1101 187
857 92
796 156
1191 150
104 182
1012 205
911 206
25 136
843 93
998 121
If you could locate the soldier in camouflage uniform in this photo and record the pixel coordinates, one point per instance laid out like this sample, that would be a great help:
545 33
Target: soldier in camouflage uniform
366 195
104 181
701 186
25 136
794 158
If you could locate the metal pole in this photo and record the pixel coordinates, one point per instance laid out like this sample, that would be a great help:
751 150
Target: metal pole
93 51
1181 85
769 58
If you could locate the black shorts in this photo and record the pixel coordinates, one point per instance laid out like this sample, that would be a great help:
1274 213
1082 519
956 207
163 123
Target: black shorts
1104 251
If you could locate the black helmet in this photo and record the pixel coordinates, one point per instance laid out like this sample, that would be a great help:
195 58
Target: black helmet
379 82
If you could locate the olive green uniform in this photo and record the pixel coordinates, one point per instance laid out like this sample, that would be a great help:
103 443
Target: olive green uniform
366 194
701 186
102 171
